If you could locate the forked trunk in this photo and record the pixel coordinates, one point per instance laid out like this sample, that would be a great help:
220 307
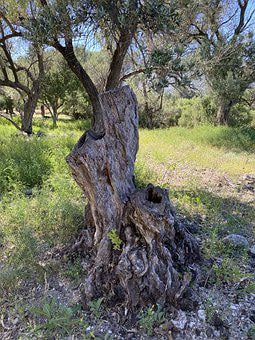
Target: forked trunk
133 247
223 112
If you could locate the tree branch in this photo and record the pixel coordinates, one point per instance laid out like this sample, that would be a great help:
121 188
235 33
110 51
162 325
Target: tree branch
11 121
14 85
120 52
9 36
243 8
131 74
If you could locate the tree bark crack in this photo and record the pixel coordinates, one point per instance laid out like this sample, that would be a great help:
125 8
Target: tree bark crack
153 249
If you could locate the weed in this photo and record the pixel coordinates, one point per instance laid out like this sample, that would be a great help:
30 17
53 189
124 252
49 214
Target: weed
251 333
115 239
226 271
152 317
74 271
210 310
95 307
55 317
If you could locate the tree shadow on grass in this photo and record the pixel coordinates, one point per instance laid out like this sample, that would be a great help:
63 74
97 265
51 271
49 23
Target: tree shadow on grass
236 139
227 215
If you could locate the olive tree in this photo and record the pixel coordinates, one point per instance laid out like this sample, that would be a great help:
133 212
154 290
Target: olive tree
24 75
59 84
133 246
226 48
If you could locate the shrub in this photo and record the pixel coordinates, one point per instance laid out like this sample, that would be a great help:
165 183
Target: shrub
77 106
24 162
150 318
240 115
191 112
195 111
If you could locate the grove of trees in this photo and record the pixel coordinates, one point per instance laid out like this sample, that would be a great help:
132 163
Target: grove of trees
78 58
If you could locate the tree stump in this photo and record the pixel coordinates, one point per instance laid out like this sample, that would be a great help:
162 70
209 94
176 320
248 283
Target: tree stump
148 265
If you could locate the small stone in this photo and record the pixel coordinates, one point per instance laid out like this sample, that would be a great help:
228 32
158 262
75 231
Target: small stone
216 334
15 321
29 192
209 333
170 336
165 326
180 322
201 315
191 324
234 307
236 241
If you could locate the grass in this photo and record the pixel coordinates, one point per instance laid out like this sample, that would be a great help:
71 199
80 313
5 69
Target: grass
229 150
41 207
55 318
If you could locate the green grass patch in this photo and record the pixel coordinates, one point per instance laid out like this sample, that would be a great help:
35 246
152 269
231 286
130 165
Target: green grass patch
41 206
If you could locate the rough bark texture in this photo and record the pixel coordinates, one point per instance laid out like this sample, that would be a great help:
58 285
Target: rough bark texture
29 109
27 118
154 247
223 112
54 116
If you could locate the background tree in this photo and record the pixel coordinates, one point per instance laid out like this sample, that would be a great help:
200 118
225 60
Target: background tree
158 64
226 49
58 85
7 104
21 74
61 89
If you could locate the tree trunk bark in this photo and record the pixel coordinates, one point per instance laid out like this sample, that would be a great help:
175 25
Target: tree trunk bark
27 117
29 110
134 249
147 110
42 111
223 112
54 117
118 57
11 111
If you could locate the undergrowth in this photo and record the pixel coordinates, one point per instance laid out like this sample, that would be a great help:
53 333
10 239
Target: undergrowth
41 207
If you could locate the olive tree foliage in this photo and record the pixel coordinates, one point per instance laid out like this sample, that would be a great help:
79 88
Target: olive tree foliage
6 103
159 62
223 32
61 89
62 23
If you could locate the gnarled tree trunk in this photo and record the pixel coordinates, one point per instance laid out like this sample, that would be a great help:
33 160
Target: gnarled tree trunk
154 248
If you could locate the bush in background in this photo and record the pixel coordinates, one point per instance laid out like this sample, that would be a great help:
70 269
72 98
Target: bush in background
191 112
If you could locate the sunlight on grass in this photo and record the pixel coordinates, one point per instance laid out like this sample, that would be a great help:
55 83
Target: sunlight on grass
42 207
212 147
